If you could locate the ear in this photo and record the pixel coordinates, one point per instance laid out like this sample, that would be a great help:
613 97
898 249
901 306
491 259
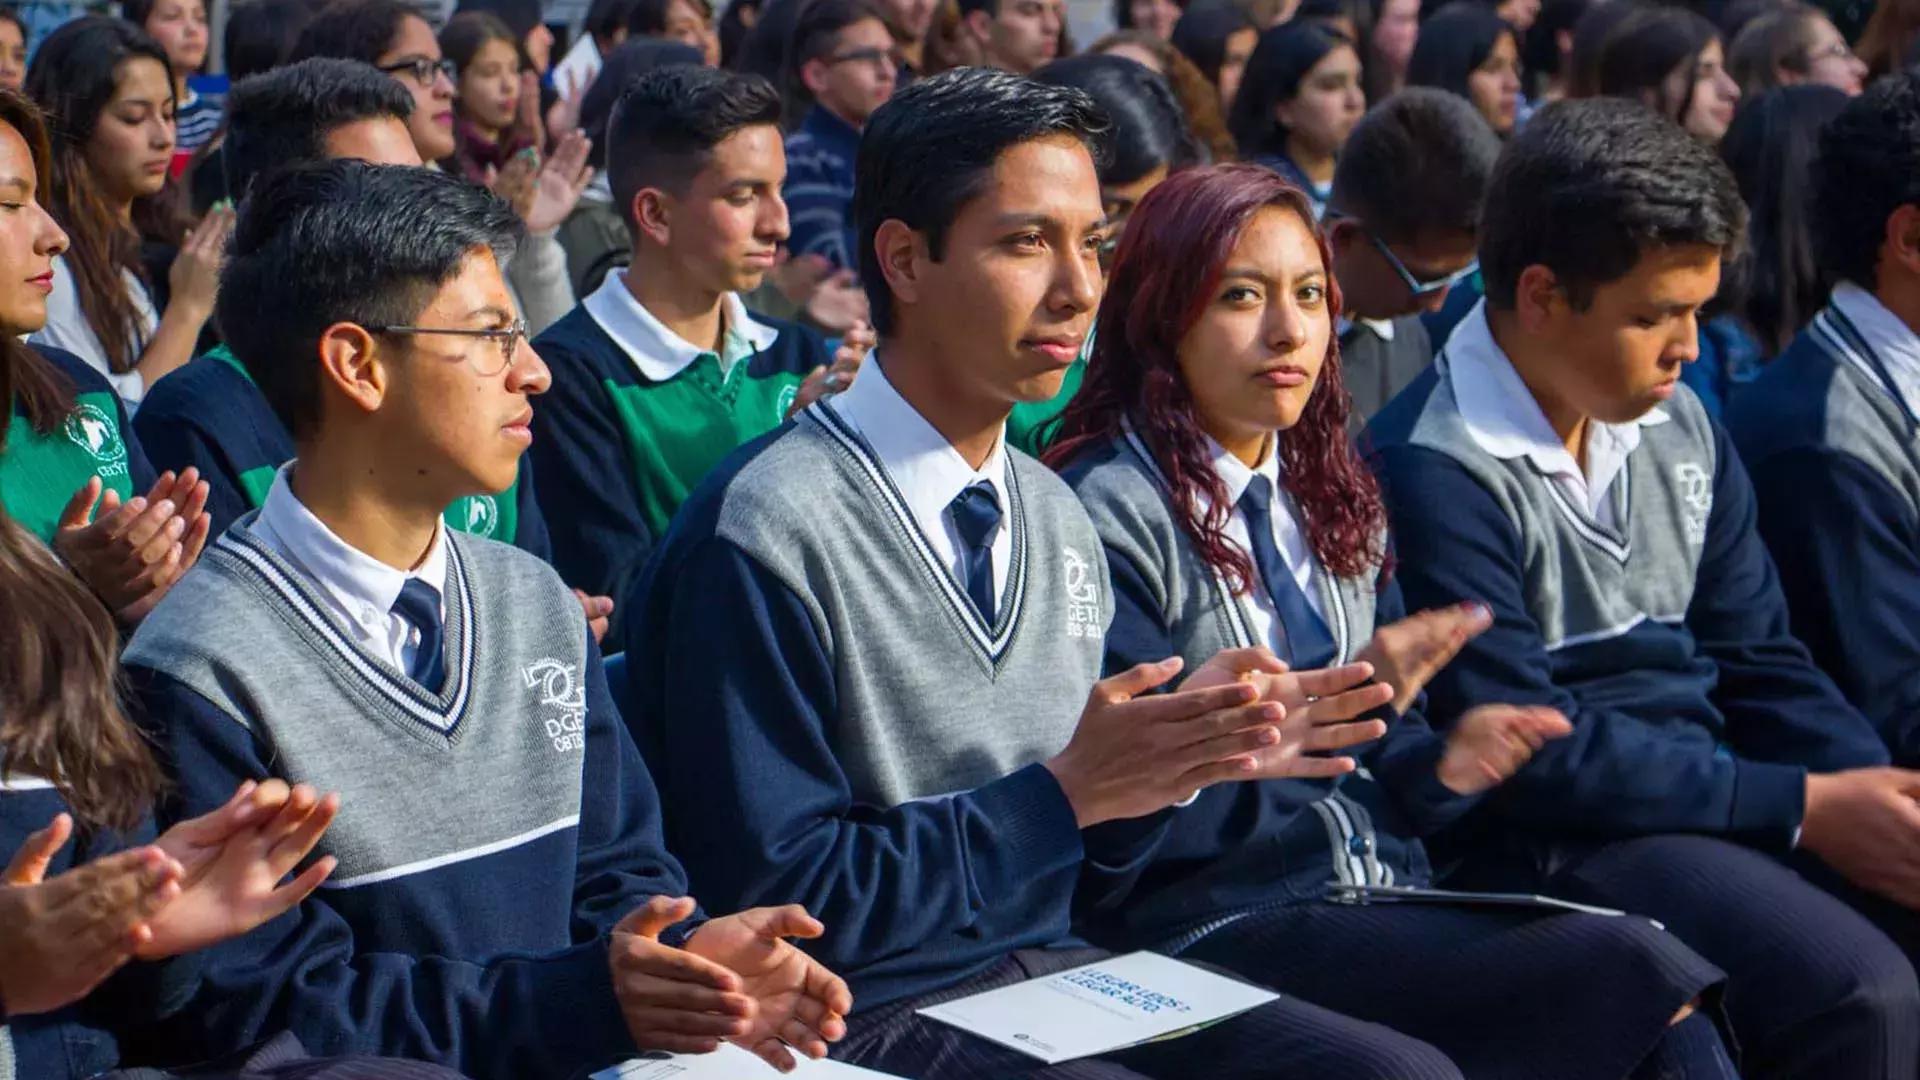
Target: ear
1283 114
1538 299
1901 247
903 257
349 366
653 215
979 24
813 76
1342 234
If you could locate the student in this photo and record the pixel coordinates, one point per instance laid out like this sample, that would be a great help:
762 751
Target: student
1156 17
1468 50
1218 36
687 21
1546 53
1298 103
662 371
1795 45
1403 222
488 128
210 416
1216 383
1828 430
1668 58
1396 31
532 39
72 474
881 624
110 102
1014 35
259 36
1552 467
13 50
843 55
180 26
502 905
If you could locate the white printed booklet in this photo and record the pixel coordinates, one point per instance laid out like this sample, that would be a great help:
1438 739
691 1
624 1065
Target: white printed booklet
729 1063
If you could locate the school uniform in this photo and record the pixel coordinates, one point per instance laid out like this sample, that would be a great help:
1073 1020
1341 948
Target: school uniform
819 188
1830 434
41 470
1317 194
1634 596
637 416
68 328
495 820
849 660
1378 359
210 415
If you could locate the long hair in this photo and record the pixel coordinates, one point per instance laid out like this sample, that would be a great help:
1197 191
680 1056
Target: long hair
1274 72
1886 44
1199 99
1171 257
73 77
1640 49
1203 31
42 392
1149 130
1452 46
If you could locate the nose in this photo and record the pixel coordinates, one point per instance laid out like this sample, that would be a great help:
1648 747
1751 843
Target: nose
1286 325
1077 281
443 85
529 373
774 224
1684 345
48 237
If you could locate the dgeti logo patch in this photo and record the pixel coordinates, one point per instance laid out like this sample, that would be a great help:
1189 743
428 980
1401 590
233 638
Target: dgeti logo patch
1083 595
559 691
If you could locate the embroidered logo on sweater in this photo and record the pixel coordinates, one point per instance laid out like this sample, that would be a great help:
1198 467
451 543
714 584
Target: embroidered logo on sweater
1083 596
98 434
1696 490
483 516
559 691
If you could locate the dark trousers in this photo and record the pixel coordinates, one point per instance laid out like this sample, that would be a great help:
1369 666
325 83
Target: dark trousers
1814 989
283 1058
1506 993
1285 1040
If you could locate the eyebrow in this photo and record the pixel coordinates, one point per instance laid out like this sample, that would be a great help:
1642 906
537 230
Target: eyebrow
490 311
16 184
1015 221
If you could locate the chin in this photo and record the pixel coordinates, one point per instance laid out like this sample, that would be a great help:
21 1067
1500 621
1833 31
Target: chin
1037 388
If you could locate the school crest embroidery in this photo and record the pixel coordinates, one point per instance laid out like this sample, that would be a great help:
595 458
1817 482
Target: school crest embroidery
560 692
784 403
90 428
1083 596
483 516
1696 492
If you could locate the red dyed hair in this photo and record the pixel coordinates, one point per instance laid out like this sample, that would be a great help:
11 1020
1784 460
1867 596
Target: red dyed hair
1176 246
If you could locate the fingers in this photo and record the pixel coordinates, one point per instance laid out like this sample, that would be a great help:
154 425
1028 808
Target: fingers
299 841
1324 682
29 864
827 1003
1136 680
1342 707
678 1044
1189 704
1248 661
786 921
673 1021
289 896
79 510
651 918
775 1053
1275 766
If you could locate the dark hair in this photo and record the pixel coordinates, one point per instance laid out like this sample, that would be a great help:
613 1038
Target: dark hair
1646 46
44 395
1418 162
11 14
1775 41
649 17
470 31
668 121
820 24
73 76
1199 99
1778 283
1329 12
1887 41
283 117
1123 13
1738 15
1587 188
343 242
521 17
138 12
931 148
607 18
634 58
1149 132
360 30
1540 47
734 29
260 34
1203 31
1170 260
1453 44
1279 62
1868 167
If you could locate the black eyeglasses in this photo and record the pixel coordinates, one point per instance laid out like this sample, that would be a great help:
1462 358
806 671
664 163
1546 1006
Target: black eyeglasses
887 59
424 71
506 338
1422 289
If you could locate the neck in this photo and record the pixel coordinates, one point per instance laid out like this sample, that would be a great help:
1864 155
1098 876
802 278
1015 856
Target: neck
487 135
687 309
342 485
1317 166
1902 298
970 423
1249 445
180 89
122 212
842 117
1531 360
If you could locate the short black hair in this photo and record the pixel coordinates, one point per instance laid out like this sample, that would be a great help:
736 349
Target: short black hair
360 30
261 34
1149 130
1868 167
606 19
1586 188
818 30
283 117
668 121
1417 163
634 58
931 148
1453 44
343 241
649 17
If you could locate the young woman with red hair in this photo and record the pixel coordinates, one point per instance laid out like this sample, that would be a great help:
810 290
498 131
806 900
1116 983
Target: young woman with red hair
1209 446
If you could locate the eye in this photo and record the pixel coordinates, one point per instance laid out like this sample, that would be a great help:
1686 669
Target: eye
1238 295
1028 241
1313 295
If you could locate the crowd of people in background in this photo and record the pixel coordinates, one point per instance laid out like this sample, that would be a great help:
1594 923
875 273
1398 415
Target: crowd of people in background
527 545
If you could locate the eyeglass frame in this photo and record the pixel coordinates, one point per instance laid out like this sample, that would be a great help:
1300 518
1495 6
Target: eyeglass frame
442 66
1420 289
869 55
508 339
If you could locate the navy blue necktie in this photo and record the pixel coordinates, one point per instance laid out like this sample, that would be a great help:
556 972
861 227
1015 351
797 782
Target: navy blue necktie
1309 645
419 605
976 514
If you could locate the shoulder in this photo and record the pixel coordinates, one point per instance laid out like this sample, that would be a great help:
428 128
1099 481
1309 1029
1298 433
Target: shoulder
1788 406
1401 420
576 338
84 377
501 568
770 494
197 393
1111 479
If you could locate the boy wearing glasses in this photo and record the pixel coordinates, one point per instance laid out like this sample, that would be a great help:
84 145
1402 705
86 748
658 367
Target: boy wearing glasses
503 903
846 56
1402 222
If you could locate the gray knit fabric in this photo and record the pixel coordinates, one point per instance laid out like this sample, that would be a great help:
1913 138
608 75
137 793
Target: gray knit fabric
930 701
1862 418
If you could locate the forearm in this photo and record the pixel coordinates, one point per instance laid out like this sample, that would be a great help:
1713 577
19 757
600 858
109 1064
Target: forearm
173 341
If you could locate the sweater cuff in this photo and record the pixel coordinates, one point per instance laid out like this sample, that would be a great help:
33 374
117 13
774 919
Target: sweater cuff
1033 833
587 1009
1769 802
1414 779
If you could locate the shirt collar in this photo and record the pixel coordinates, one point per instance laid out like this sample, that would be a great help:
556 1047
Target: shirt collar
1890 338
924 466
1503 418
1236 476
1382 328
658 352
359 583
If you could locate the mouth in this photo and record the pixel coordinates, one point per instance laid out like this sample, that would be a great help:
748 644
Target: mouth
156 168
763 259
43 282
444 119
1285 376
520 429
1061 350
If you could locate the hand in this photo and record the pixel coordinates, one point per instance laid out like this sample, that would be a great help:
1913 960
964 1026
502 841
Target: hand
598 609
672 999
1492 742
233 861
194 278
798 1002
798 277
131 553
1134 755
60 939
559 184
1865 824
822 381
526 113
1323 707
565 113
838 303
1409 653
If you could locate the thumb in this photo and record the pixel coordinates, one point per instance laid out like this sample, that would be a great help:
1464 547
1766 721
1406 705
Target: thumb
650 919
788 921
79 509
1139 679
29 865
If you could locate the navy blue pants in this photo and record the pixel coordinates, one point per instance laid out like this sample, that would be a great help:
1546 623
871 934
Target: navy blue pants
283 1058
1814 989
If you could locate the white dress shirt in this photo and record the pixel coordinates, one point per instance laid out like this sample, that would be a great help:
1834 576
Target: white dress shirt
1263 617
359 590
1893 342
926 468
659 353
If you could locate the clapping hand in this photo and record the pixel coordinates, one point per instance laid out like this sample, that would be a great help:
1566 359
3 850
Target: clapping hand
131 553
1320 710
1493 742
798 1003
1409 653
822 381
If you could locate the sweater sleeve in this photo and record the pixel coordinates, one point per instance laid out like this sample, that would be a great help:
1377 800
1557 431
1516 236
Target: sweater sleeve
739 718
530 525
303 972
1618 774
1406 760
817 210
140 470
172 443
538 274
1779 706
